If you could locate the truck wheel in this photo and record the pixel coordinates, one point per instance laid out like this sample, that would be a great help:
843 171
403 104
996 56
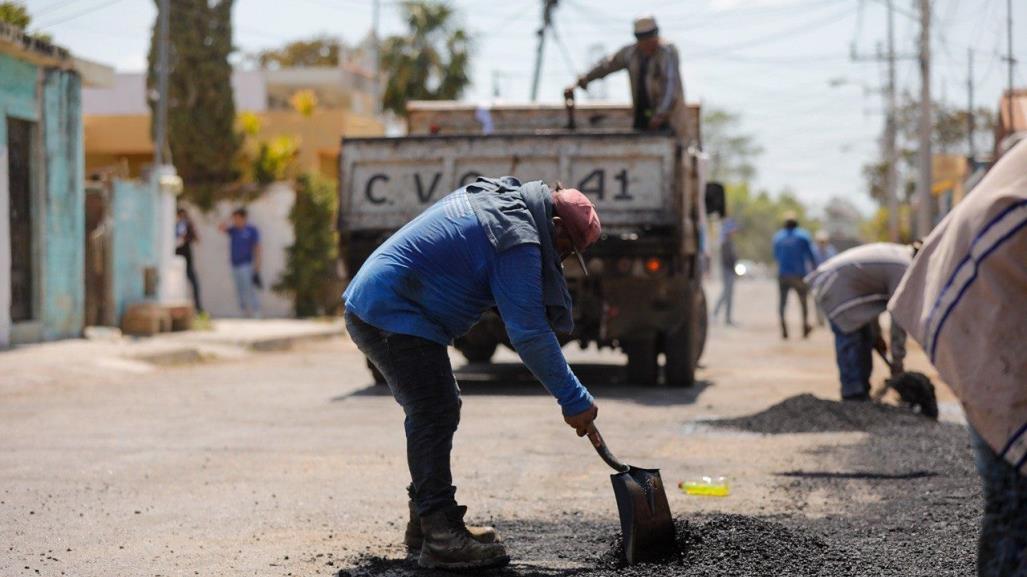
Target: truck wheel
683 346
703 315
477 352
379 378
643 365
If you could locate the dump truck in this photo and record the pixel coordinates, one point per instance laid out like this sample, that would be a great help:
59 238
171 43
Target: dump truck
643 294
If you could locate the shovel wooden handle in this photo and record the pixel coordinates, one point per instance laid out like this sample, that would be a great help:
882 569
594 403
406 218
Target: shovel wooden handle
604 452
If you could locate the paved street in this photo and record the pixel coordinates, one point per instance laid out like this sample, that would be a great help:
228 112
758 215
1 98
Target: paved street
291 463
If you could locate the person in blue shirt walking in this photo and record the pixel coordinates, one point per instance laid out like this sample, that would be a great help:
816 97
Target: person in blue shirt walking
244 252
494 243
793 251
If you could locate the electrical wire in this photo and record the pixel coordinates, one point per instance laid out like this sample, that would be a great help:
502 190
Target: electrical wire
76 15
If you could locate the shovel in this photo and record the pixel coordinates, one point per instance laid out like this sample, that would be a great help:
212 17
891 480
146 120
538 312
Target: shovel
645 519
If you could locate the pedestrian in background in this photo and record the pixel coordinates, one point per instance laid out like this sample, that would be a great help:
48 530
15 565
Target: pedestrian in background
657 92
822 250
728 260
964 299
185 237
853 289
244 253
793 251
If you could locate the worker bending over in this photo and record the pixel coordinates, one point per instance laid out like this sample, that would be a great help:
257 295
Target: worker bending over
853 289
964 300
494 243
657 92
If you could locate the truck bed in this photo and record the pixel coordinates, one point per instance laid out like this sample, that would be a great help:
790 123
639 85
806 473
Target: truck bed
385 182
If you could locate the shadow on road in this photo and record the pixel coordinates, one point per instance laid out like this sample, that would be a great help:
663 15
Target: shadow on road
867 475
603 380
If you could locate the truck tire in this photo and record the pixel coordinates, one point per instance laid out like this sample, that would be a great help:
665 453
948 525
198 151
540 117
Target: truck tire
683 346
478 351
643 363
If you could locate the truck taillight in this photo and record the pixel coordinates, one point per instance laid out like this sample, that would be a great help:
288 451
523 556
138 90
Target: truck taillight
653 265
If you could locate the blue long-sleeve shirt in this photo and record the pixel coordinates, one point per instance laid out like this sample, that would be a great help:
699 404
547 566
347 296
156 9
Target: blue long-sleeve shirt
438 274
793 251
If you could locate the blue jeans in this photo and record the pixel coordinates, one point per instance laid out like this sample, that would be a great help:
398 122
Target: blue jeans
421 379
1002 549
854 352
249 300
726 296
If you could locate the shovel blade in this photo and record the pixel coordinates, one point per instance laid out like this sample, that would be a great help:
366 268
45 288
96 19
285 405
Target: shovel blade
646 523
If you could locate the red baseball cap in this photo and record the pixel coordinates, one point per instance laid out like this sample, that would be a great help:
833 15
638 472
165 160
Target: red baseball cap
579 219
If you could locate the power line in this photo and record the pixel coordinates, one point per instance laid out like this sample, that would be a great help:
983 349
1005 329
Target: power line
95 8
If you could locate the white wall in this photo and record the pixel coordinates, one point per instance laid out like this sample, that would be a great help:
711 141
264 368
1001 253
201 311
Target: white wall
270 214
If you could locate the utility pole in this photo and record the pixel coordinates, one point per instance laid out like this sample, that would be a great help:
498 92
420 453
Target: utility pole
163 58
924 181
970 120
1010 61
547 19
376 90
891 176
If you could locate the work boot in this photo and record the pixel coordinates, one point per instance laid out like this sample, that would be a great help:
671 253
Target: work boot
784 331
447 544
806 330
413 537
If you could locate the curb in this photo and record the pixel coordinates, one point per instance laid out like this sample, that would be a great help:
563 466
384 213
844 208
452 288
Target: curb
213 349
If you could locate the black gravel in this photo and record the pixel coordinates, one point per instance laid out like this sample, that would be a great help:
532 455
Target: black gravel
809 414
906 503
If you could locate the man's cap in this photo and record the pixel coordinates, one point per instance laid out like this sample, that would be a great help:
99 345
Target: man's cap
579 220
822 236
645 27
790 215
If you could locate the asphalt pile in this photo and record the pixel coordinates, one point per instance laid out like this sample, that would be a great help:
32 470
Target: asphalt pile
734 545
808 414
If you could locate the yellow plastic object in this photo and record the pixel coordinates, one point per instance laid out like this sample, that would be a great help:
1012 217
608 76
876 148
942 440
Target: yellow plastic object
706 487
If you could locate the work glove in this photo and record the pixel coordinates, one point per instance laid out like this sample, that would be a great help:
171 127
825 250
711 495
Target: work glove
581 422
257 281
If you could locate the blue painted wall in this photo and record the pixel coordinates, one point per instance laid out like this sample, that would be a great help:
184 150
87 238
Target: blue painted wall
63 258
134 242
59 209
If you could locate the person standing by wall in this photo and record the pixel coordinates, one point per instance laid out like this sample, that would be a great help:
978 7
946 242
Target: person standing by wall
963 299
793 252
728 260
244 252
185 237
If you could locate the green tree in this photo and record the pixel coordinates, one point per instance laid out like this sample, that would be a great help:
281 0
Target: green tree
310 276
759 216
431 61
15 14
732 153
316 51
201 109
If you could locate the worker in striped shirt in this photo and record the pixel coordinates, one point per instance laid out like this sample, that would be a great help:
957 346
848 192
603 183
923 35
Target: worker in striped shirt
965 300
853 289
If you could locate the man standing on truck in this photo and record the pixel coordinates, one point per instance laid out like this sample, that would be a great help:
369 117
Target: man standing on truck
493 243
657 92
793 251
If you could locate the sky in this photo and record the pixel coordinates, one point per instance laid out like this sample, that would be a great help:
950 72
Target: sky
783 66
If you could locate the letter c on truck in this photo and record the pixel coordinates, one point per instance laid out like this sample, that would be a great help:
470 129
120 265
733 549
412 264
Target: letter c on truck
369 192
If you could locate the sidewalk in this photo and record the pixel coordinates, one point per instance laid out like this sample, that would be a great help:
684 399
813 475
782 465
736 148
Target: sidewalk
96 359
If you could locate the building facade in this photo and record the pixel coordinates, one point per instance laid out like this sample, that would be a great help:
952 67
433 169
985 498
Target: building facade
42 214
